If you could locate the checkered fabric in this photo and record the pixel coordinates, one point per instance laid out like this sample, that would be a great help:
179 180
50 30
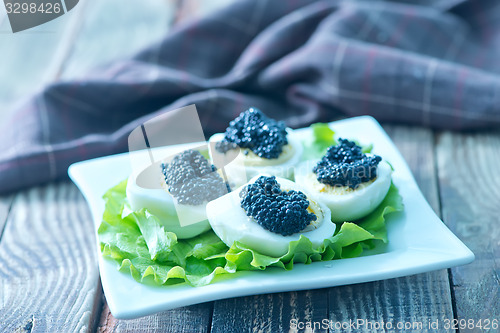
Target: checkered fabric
435 63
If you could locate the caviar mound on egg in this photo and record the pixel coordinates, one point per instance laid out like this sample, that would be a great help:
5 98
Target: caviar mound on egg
345 165
192 180
188 182
352 184
266 145
282 212
267 214
252 129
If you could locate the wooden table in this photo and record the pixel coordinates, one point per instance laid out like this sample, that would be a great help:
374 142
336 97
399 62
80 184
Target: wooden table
49 280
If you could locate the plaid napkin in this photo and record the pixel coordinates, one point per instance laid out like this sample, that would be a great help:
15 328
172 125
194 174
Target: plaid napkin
434 64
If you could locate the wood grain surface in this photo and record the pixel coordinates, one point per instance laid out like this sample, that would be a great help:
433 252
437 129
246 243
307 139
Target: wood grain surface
48 261
194 318
271 312
469 180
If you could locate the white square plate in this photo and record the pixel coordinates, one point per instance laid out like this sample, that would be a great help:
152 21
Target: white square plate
418 240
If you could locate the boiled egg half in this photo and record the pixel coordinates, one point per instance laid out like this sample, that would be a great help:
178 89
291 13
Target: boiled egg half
179 205
345 203
232 223
247 164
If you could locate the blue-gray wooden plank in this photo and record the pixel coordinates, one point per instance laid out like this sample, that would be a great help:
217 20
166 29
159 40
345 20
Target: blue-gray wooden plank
48 258
469 183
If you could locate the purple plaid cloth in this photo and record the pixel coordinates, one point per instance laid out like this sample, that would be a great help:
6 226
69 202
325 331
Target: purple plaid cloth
434 64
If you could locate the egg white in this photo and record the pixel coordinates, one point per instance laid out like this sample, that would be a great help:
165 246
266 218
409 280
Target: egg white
346 204
169 212
248 164
231 223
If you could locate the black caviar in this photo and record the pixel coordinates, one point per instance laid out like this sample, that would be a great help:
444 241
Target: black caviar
346 165
253 130
192 180
281 212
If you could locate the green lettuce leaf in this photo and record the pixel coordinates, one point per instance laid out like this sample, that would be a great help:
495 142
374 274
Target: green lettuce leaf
144 249
375 222
152 255
348 242
323 137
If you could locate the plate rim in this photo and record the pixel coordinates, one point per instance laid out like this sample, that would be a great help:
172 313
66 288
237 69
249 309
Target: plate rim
414 250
